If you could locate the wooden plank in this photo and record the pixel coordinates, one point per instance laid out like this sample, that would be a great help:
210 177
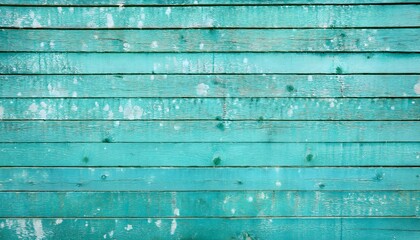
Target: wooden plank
91 63
211 108
209 131
42 86
204 40
207 179
216 228
209 154
125 3
210 204
211 17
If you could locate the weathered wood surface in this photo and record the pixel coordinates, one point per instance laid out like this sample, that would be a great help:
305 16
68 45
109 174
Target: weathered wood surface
211 204
107 63
314 86
124 3
204 40
207 179
208 228
209 154
211 17
212 108
209 131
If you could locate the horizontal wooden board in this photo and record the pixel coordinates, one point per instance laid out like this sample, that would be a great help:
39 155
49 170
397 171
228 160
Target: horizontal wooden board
211 17
207 179
124 3
210 204
91 63
211 108
209 131
42 86
204 40
209 154
216 228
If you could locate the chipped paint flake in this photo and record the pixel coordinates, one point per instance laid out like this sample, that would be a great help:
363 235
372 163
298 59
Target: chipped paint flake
158 223
173 226
417 88
39 232
168 12
58 221
129 227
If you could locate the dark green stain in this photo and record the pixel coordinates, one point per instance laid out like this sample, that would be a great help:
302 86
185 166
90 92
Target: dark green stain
219 118
85 159
321 185
103 177
378 177
260 119
309 157
338 70
216 161
290 88
221 126
107 140
239 182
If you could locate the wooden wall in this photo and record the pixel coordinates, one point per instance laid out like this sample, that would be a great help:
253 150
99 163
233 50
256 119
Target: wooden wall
205 119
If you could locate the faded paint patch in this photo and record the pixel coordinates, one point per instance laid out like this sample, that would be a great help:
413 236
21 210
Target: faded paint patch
129 227
417 88
202 89
58 221
158 223
109 21
39 232
1 112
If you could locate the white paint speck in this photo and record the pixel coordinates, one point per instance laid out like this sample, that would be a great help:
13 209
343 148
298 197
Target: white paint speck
132 112
43 114
392 108
278 183
201 46
177 127
168 12
71 10
158 223
60 9
74 108
176 211
245 60
233 210
109 21
129 227
310 78
202 89
154 44
106 108
58 221
290 111
417 88
250 199
173 227
152 77
36 24
42 44
126 46
1 112
140 24
111 234
52 44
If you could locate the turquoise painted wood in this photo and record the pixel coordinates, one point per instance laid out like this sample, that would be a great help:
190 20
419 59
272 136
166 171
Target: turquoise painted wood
211 17
204 119
205 40
232 204
202 228
163 85
209 131
123 3
204 63
209 154
199 179
212 108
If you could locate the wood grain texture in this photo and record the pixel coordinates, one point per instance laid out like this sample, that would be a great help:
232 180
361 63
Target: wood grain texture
211 17
123 3
204 228
190 63
204 40
207 179
209 131
210 204
212 108
314 86
209 154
